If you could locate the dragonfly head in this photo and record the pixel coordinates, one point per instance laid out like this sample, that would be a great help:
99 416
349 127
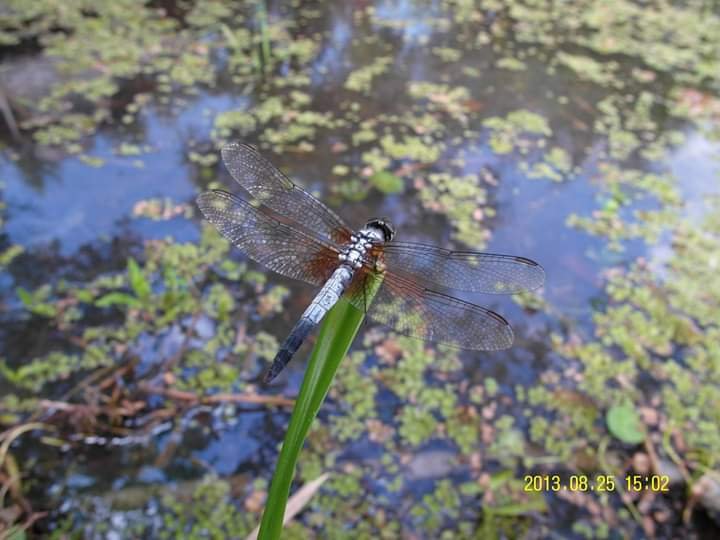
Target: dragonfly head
383 226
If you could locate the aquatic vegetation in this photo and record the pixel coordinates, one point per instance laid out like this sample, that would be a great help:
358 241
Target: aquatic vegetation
625 188
98 49
387 182
361 79
365 134
602 73
151 300
240 122
511 64
506 134
297 127
413 148
9 252
447 54
555 167
639 334
206 512
462 199
455 101
624 422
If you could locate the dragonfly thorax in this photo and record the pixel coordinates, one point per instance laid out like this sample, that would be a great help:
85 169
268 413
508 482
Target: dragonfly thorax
354 253
375 232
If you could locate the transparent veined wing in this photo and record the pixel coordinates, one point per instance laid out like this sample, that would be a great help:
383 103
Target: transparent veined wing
409 308
284 249
271 187
469 271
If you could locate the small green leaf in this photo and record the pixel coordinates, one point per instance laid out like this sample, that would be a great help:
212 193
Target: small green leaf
387 182
84 295
624 423
138 282
8 373
44 310
33 301
25 297
535 504
16 533
172 282
117 298
9 254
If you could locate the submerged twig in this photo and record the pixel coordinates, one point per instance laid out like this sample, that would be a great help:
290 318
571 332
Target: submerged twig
8 114
217 398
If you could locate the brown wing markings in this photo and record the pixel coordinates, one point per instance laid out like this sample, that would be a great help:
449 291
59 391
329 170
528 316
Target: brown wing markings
266 240
323 263
341 235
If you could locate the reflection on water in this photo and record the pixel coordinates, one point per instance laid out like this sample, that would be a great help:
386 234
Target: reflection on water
695 164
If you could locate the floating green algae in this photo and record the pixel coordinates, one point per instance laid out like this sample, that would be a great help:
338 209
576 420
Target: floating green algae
361 79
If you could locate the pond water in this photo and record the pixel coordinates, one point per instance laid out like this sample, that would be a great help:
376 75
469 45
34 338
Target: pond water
549 145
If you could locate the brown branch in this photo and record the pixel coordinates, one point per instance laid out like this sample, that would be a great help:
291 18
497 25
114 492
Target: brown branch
182 395
32 518
129 409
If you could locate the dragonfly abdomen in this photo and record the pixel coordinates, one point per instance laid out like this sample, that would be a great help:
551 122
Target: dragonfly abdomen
300 331
318 308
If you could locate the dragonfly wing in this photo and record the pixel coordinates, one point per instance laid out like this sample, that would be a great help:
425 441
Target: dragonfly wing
413 310
470 271
271 187
276 245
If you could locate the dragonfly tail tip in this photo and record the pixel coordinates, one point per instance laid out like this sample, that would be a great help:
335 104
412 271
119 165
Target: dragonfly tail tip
270 375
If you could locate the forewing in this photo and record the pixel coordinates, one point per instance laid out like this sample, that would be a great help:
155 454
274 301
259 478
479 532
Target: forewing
470 271
271 187
413 310
278 246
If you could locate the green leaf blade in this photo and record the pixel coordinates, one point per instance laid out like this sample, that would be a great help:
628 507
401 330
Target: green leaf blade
387 182
117 298
624 423
139 283
25 297
337 332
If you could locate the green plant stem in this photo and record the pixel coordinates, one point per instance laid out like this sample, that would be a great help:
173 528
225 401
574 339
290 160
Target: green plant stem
336 335
264 35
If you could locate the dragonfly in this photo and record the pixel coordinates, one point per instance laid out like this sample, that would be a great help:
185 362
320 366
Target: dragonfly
286 229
